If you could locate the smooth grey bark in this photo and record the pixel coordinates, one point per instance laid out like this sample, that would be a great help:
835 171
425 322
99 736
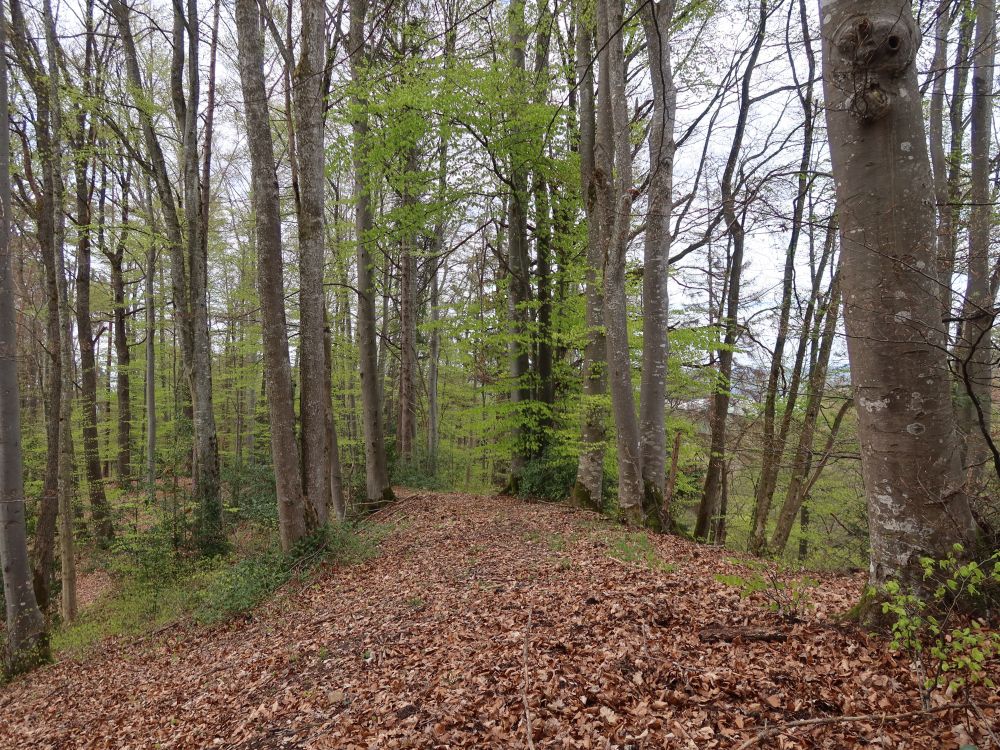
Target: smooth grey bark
314 396
657 18
26 637
376 473
589 485
613 181
974 349
270 280
914 484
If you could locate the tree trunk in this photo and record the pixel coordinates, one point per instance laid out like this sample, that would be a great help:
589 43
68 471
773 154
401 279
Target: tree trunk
795 496
713 497
26 638
270 283
314 396
151 353
656 20
377 477
917 505
974 349
613 180
588 489
103 529
407 430
773 448
122 350
519 270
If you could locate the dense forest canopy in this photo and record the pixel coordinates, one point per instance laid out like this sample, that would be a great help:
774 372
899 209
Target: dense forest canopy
725 270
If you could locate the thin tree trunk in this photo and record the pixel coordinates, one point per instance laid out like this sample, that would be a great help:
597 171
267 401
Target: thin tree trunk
407 430
773 449
713 495
518 265
974 349
794 496
377 476
103 529
589 485
151 352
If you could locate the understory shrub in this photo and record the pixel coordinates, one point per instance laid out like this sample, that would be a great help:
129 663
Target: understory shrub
946 646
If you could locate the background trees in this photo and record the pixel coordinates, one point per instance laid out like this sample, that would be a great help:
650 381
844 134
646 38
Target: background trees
450 244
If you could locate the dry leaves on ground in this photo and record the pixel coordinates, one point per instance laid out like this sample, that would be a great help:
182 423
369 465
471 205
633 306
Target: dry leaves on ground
478 613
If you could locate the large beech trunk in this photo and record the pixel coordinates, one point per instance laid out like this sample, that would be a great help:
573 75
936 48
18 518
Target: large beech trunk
910 456
657 18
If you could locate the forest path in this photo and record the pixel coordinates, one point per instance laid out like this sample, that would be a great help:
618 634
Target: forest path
430 644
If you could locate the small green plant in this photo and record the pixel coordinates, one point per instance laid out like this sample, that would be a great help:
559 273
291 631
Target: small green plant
788 598
635 547
944 653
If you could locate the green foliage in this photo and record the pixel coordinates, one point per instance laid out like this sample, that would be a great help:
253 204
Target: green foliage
789 598
252 495
550 477
635 547
943 652
239 588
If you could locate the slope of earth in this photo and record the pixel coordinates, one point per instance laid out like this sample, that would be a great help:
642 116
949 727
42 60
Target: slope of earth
480 618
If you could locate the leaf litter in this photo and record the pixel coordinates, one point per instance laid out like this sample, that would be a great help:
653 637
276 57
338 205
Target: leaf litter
480 615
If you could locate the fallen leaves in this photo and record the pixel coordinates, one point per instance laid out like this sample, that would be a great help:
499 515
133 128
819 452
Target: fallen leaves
429 645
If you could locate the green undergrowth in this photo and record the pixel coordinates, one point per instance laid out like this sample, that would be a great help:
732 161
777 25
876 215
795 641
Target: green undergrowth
156 585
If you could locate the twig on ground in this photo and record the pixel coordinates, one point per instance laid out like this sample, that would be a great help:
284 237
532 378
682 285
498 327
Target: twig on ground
986 724
781 728
524 688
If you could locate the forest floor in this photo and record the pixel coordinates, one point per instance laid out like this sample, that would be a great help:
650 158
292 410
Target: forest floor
481 617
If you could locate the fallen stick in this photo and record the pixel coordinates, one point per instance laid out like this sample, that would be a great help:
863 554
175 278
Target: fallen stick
779 729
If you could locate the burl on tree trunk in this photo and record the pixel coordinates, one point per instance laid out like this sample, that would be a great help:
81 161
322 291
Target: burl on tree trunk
917 505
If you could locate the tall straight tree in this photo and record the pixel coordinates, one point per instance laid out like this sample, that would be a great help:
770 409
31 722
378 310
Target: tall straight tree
314 395
518 288
910 452
27 641
975 347
377 485
589 485
613 182
657 20
264 193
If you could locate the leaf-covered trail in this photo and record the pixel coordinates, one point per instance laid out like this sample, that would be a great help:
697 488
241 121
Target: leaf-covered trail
475 607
